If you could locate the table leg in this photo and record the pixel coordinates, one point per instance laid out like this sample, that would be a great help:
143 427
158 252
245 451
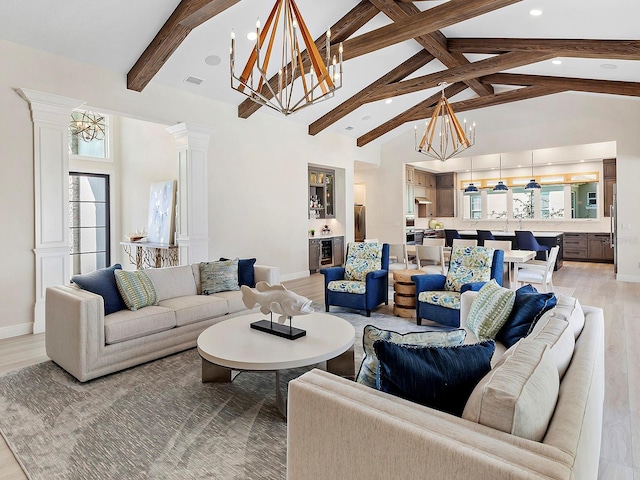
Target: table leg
214 373
281 401
343 364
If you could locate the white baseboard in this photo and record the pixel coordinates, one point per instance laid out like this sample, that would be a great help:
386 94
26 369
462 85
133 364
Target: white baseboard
294 276
16 330
628 278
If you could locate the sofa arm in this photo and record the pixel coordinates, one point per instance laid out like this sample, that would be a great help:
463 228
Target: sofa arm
265 273
339 429
74 324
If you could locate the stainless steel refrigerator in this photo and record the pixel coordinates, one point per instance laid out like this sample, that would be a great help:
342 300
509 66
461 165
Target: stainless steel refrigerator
359 217
613 217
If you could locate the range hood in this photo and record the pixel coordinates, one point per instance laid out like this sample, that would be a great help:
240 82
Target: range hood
423 201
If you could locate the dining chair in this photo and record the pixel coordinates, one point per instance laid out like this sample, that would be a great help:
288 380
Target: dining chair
371 240
430 259
484 235
464 242
449 235
438 242
398 258
537 271
526 241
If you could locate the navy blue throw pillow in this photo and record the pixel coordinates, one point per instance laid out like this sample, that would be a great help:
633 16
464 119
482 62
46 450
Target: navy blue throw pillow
103 282
438 377
245 271
528 308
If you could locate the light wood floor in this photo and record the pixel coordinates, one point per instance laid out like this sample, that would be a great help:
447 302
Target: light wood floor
594 285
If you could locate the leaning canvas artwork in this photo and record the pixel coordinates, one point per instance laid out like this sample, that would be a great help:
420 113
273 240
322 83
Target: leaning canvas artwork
162 205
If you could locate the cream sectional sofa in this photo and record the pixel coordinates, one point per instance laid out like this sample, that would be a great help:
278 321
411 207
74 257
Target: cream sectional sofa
88 344
340 429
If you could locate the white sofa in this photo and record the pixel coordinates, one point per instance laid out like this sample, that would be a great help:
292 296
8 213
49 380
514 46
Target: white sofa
88 344
339 429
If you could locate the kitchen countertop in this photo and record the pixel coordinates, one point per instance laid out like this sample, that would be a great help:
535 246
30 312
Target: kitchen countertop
319 236
500 233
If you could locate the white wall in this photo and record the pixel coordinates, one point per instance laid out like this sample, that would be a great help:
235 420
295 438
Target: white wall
554 121
257 169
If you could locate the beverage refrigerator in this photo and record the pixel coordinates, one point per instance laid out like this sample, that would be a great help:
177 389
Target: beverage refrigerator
359 217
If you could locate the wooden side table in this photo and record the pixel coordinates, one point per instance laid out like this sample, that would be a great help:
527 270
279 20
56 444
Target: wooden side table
404 296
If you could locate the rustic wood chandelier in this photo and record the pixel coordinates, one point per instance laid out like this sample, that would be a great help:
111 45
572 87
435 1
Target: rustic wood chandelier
452 138
297 71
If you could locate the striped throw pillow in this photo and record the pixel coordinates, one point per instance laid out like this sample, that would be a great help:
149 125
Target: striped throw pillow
136 289
490 310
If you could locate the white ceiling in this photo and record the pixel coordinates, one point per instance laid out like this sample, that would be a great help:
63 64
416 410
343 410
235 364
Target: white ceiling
113 34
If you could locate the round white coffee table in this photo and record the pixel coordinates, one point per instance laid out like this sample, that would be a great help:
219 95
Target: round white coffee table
232 345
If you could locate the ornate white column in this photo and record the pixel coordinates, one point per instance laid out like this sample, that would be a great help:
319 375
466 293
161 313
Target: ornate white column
50 115
192 226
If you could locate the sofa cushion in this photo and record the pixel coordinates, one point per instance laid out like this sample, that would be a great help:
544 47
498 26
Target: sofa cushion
126 325
219 276
519 394
195 308
438 377
369 366
569 309
558 335
467 265
233 299
136 289
489 310
102 282
246 275
172 281
528 308
362 258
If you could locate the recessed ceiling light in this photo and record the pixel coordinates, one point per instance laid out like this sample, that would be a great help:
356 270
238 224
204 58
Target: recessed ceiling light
608 66
535 12
582 161
549 163
556 62
213 60
252 36
366 117
349 128
388 101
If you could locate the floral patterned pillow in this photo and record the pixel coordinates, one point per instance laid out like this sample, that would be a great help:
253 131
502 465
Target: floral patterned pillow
468 264
362 259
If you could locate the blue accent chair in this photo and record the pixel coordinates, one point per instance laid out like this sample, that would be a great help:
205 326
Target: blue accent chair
438 296
363 283
449 235
526 241
484 235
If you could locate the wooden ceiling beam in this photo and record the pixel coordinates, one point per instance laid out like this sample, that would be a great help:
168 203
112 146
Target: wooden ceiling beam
610 87
403 117
401 71
340 31
187 16
434 42
459 74
510 96
610 49
431 20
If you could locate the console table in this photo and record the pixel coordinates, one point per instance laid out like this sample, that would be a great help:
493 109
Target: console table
151 255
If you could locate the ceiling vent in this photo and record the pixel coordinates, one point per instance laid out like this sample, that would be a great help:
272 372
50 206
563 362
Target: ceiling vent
193 80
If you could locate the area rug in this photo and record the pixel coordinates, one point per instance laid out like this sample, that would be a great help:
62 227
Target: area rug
154 421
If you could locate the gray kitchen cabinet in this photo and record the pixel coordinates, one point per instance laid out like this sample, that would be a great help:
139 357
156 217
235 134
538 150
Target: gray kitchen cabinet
321 193
338 251
314 254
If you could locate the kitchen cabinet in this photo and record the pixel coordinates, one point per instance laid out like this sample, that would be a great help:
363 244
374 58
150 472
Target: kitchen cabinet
446 195
609 170
338 251
410 199
424 179
588 247
600 247
314 254
321 193
410 173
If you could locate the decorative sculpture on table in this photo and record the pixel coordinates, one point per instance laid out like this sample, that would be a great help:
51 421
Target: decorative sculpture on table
277 299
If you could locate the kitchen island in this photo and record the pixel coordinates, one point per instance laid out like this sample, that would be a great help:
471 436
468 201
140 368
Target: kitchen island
544 238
